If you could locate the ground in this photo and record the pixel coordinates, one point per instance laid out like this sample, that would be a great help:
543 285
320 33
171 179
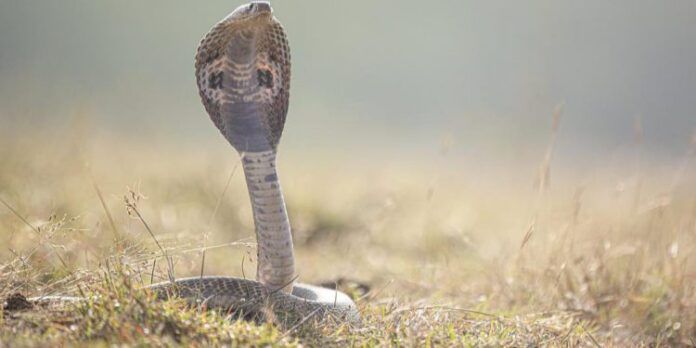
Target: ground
434 253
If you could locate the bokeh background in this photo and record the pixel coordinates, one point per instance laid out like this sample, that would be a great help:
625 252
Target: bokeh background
391 76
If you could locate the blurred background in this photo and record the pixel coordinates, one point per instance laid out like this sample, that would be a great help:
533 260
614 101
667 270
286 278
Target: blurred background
404 76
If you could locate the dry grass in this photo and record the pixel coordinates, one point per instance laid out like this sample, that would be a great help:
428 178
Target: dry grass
452 256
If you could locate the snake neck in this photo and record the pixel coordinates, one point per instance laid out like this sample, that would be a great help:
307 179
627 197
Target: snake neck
276 262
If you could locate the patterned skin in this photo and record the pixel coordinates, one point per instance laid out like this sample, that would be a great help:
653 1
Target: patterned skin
243 298
243 75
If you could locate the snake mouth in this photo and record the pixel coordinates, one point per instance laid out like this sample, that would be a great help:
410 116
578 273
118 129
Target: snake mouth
260 7
253 11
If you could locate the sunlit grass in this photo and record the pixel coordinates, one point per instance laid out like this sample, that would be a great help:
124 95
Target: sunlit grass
451 255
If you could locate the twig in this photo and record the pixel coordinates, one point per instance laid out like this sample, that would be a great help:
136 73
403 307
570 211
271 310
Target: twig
335 293
36 230
152 273
170 265
19 216
284 285
544 178
594 341
450 309
377 291
304 320
117 235
212 217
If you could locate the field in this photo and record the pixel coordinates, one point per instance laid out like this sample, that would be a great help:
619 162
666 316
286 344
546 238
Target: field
436 251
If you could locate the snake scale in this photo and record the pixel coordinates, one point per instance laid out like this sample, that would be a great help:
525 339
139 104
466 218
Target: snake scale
243 75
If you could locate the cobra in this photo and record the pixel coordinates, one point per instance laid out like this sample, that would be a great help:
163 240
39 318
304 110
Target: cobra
243 76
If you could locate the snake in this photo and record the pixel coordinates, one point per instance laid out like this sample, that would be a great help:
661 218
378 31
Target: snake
242 70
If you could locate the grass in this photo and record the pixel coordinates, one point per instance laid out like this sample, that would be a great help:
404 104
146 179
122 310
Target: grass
434 254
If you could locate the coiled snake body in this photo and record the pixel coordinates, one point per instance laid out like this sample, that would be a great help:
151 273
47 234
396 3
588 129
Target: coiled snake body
243 75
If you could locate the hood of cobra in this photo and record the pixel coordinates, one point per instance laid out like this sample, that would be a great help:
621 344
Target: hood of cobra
243 75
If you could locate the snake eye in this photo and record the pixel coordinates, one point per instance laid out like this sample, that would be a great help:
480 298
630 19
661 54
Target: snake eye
251 7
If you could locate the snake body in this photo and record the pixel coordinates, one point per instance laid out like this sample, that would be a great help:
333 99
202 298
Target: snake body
243 75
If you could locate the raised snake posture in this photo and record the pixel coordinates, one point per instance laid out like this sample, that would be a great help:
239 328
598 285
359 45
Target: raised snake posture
243 75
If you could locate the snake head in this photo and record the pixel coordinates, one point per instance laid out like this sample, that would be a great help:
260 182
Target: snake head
255 10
